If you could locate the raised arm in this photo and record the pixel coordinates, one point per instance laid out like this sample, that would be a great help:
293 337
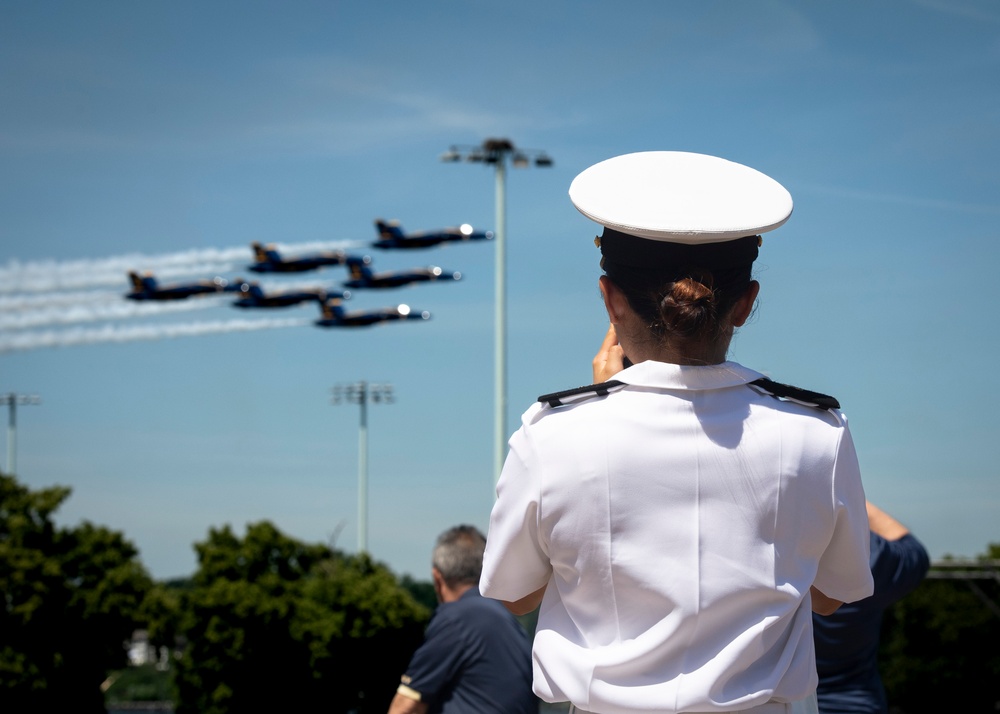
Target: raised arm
609 359
881 523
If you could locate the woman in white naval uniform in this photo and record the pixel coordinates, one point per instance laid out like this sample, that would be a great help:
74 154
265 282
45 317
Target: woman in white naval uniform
677 524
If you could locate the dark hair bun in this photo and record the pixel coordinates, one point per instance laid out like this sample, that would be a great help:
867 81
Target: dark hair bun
689 308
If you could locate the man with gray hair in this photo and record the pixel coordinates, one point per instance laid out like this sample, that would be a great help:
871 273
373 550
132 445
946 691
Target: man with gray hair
476 657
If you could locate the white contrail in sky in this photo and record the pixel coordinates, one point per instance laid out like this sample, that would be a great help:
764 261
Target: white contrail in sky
50 293
120 309
320 280
39 276
51 275
115 333
37 301
28 310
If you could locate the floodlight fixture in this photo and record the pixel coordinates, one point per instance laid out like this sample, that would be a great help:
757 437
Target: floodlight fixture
497 152
361 393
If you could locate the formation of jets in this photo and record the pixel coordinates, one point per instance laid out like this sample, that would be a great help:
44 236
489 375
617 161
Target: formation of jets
334 315
391 235
146 287
268 260
362 276
252 295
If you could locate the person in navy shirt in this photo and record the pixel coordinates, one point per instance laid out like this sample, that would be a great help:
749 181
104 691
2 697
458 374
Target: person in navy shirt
847 641
476 657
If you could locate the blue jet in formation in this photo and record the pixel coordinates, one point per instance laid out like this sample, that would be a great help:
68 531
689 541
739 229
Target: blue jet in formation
362 276
146 287
391 236
251 294
334 315
267 259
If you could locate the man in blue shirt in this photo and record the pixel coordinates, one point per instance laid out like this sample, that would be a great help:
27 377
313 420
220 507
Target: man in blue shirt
847 641
476 657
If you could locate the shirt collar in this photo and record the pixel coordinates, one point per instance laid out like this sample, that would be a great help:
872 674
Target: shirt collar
663 375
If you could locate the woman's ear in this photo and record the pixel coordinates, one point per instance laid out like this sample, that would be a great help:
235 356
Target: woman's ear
614 299
744 306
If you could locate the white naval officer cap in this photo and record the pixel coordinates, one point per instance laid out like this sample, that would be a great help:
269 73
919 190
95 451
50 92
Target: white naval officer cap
679 206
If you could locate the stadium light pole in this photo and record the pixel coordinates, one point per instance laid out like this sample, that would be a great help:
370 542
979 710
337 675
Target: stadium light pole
361 393
12 400
497 153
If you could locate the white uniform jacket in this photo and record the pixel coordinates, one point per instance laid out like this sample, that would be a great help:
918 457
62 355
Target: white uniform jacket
677 525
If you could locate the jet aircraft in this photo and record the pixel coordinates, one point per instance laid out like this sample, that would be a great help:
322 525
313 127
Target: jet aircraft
146 287
391 235
251 294
267 259
362 276
334 315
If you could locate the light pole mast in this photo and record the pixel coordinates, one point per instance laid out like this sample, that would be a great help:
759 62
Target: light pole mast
500 323
12 400
360 393
497 152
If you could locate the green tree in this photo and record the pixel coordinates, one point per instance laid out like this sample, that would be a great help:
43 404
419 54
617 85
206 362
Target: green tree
163 612
938 646
71 600
276 624
421 590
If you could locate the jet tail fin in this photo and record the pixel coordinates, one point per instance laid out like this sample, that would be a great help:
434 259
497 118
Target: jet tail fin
388 230
142 283
358 267
264 254
332 309
246 289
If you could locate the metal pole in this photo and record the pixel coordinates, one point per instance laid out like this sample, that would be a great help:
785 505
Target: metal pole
360 393
497 151
500 336
12 400
363 471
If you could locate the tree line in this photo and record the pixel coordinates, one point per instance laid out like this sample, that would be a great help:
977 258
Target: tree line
268 622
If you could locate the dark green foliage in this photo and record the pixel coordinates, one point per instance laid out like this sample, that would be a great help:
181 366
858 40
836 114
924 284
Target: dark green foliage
163 614
268 623
275 624
71 600
938 650
421 590
145 683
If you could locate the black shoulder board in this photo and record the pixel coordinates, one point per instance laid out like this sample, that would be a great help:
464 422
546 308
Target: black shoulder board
794 394
569 396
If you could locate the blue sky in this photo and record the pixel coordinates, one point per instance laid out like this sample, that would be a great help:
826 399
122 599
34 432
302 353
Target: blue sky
171 135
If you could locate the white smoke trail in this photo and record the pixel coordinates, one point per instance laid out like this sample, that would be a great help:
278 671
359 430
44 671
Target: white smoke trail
48 293
39 276
51 275
283 284
120 309
38 301
115 333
